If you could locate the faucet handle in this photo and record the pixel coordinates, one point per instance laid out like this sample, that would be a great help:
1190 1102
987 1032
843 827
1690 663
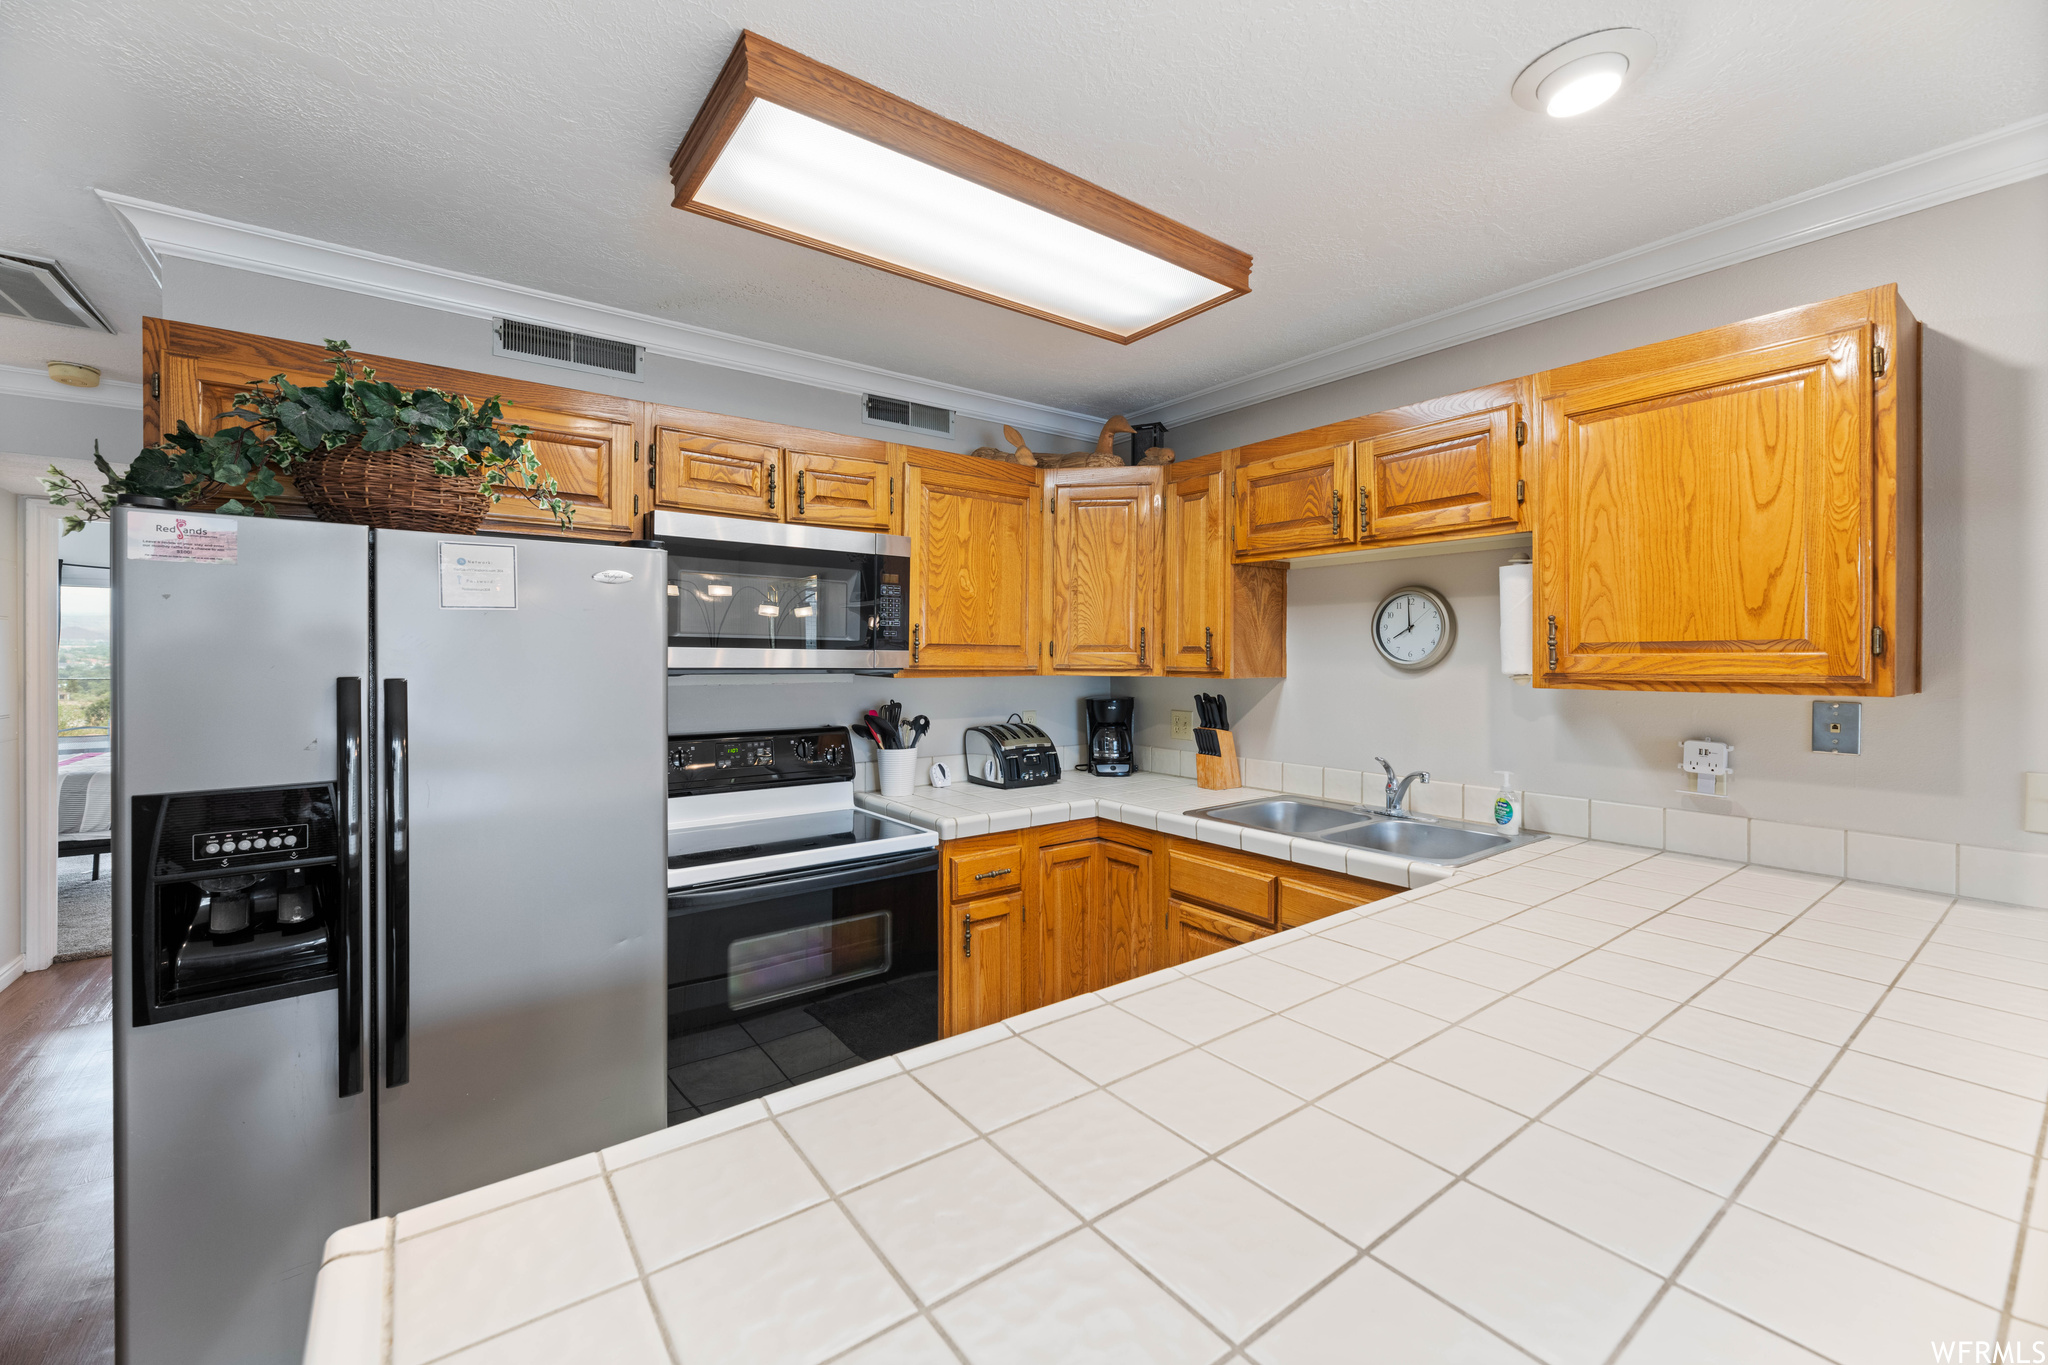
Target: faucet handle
1386 765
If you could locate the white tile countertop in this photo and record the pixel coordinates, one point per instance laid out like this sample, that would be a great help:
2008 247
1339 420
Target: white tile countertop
1146 800
1579 1103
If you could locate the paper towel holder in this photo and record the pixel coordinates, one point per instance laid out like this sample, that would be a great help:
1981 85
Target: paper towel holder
1517 625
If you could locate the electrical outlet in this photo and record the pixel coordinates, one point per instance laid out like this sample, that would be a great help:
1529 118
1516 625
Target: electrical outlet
2036 817
1031 718
1183 725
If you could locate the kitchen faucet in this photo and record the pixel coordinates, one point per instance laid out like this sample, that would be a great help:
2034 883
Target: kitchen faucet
1397 788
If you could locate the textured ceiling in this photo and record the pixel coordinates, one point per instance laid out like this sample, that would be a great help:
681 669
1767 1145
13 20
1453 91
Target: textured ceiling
1365 152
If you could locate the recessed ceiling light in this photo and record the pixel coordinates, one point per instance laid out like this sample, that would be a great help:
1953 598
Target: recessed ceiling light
1583 73
793 148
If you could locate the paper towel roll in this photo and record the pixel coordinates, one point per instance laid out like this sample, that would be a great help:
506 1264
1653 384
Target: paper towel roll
1517 652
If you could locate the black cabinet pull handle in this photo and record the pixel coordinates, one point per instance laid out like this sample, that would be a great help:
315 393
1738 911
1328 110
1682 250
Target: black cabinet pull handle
1141 646
1553 642
1336 513
1208 647
1364 514
799 492
771 488
348 943
397 886
999 872
967 936
916 634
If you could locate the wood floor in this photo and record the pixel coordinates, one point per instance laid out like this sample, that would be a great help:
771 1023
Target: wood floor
57 1166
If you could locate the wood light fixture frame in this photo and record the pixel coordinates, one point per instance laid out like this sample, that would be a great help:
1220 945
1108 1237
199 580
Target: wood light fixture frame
761 69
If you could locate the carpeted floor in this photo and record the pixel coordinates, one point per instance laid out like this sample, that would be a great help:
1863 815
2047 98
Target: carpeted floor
85 909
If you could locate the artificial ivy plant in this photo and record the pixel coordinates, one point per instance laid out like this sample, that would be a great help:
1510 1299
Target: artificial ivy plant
287 425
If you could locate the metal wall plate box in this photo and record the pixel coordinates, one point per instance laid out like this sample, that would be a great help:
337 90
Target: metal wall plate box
1838 727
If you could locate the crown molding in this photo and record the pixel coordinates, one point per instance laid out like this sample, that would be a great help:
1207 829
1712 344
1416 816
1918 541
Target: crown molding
160 230
1986 162
20 381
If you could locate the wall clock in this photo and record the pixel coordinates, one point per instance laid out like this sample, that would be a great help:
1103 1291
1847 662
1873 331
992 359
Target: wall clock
1413 628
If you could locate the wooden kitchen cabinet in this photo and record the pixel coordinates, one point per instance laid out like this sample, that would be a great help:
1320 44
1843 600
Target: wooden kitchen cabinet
1736 510
585 441
854 491
1194 931
1100 902
982 980
1285 503
1102 557
975 603
1219 620
698 472
1443 470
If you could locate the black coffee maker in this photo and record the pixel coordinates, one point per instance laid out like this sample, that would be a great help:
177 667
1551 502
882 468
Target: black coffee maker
1112 752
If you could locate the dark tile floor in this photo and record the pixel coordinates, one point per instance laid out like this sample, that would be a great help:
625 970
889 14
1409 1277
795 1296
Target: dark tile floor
709 1071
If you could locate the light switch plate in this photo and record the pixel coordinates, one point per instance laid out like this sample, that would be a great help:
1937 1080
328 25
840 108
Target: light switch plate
2036 818
1183 725
1838 727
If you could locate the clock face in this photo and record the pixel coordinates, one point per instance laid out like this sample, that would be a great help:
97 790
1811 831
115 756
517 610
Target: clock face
1412 628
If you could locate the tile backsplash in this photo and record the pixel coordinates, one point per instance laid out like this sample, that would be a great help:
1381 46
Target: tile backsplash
1991 874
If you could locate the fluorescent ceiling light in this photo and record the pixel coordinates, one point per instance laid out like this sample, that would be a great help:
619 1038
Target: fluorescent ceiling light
1584 73
787 146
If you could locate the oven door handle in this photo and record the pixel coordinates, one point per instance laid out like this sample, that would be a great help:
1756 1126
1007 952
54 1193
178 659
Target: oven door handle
801 881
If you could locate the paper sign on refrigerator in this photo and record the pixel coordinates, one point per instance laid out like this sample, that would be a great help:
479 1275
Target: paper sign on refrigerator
479 576
186 537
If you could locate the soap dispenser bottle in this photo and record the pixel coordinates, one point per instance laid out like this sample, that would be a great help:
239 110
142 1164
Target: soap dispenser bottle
1507 807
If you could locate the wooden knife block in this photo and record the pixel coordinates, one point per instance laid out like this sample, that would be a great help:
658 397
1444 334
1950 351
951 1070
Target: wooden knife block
1216 760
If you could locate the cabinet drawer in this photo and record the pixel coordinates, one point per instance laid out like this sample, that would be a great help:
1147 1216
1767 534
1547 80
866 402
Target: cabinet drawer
1220 885
984 873
1193 931
1301 903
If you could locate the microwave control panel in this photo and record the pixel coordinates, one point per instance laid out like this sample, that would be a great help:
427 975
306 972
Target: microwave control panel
889 599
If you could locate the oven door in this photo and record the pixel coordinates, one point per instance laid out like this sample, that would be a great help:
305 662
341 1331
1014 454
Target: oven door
762 595
741 950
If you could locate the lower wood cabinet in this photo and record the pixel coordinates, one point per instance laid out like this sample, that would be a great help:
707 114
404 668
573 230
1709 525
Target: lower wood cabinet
1040 915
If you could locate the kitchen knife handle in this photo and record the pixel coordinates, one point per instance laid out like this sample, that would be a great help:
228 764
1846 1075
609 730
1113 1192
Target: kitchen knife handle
348 910
397 886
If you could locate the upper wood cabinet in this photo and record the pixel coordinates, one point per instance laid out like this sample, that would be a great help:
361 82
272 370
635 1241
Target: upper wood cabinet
1219 620
857 491
974 564
1102 565
1443 469
584 441
1736 510
1288 503
695 472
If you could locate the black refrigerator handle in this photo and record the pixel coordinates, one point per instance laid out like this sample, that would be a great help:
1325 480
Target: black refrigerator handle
348 730
397 887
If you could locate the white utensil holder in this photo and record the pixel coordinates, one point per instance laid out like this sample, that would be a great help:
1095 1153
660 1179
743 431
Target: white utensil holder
898 771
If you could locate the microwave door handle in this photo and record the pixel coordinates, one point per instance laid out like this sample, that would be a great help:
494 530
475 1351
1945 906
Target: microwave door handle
397 886
348 913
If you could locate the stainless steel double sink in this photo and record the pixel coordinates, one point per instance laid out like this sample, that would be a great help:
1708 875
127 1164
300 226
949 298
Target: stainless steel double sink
1420 837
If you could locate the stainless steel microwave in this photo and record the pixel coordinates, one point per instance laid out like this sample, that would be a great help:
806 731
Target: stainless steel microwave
753 596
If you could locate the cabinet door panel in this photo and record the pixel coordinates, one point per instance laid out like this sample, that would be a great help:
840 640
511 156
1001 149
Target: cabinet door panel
1072 920
1708 522
1193 932
839 490
1448 476
590 459
1193 633
983 972
699 473
1295 502
973 557
1104 554
1128 901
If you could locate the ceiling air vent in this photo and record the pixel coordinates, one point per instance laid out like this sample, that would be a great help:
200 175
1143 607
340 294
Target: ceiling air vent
897 412
39 291
570 350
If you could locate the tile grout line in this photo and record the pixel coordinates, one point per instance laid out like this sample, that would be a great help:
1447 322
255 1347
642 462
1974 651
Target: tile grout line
639 1263
1713 1224
2006 1311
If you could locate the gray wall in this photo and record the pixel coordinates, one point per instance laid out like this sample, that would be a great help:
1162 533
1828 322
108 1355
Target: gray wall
52 429
1945 764
242 301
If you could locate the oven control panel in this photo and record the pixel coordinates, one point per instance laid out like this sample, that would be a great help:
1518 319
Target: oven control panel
705 763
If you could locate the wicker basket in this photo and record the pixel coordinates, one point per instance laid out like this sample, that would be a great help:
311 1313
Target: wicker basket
397 490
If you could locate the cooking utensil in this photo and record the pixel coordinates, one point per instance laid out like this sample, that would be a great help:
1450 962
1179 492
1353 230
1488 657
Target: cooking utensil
919 725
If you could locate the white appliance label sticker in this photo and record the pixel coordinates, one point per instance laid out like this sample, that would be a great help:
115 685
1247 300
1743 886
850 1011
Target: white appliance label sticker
184 536
479 576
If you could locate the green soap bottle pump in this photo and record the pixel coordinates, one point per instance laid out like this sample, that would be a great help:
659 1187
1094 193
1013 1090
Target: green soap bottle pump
1507 807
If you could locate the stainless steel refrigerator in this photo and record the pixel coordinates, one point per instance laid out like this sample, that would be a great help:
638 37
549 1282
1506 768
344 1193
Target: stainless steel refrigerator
390 876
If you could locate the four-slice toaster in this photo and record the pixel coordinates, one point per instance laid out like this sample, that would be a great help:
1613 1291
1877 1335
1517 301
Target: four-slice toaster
1015 753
